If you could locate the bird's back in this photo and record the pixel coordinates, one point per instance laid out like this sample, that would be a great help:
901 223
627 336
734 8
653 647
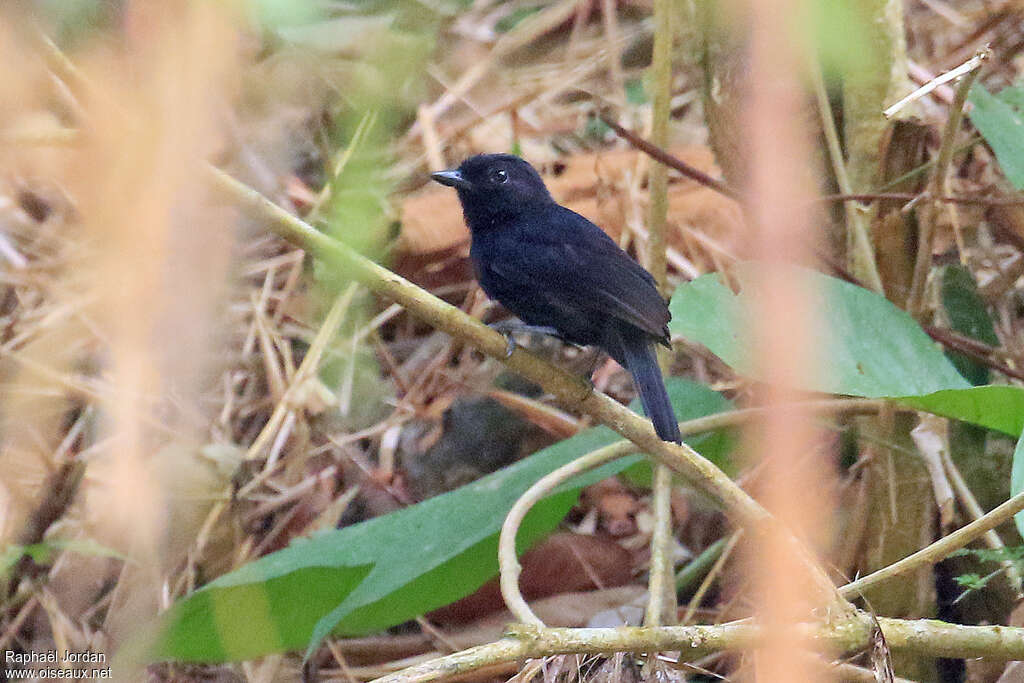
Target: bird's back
556 268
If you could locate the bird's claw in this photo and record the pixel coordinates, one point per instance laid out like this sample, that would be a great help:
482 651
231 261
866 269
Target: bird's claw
510 344
509 328
506 330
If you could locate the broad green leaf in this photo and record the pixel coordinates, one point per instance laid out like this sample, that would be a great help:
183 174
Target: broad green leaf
1017 482
259 609
995 406
387 570
999 120
869 348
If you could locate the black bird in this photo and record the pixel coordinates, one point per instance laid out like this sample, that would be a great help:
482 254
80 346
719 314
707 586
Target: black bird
556 270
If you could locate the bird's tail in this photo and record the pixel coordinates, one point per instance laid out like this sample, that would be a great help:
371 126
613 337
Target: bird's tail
642 363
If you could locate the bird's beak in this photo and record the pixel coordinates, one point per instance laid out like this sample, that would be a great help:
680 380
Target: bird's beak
452 179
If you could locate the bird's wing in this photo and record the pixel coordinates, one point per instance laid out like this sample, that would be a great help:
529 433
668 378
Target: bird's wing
578 267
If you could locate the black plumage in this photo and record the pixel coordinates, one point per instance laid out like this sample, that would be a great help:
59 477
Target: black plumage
553 268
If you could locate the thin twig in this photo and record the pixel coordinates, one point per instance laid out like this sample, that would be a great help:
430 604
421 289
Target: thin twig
857 221
926 231
664 157
979 351
967 67
975 512
910 196
661 604
716 569
611 31
938 550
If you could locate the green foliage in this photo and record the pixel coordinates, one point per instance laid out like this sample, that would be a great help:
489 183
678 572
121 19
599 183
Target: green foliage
376 52
44 552
972 581
595 129
842 37
255 611
635 92
75 21
1013 553
384 571
967 315
1000 120
868 348
516 17
277 14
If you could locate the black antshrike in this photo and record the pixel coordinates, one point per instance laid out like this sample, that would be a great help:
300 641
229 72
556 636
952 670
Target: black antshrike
555 269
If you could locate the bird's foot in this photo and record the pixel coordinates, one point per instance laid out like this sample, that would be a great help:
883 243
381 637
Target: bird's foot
511 327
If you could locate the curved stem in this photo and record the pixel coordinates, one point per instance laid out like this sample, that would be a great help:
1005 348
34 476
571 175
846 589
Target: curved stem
508 563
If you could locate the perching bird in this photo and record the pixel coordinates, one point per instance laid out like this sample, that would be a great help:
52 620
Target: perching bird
556 270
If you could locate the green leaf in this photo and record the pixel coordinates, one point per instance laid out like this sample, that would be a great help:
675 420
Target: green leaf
259 609
967 315
1017 482
635 93
331 35
10 556
843 37
277 14
387 570
869 347
966 310
999 120
971 581
42 553
995 406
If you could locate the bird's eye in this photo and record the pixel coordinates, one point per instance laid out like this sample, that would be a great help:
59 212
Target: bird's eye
500 176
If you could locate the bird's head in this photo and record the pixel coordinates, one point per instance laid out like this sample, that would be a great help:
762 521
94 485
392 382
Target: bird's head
494 187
